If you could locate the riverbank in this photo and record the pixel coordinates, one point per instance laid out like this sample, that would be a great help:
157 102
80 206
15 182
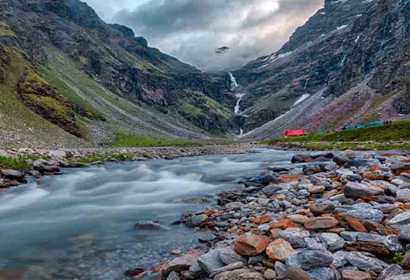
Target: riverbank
322 217
294 144
18 166
383 138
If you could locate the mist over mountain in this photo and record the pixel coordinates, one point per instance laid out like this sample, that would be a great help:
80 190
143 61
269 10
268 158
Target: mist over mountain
192 30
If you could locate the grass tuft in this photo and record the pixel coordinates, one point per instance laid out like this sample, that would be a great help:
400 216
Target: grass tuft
19 163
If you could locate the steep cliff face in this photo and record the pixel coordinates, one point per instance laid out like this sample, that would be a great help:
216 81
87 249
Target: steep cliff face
90 65
354 74
314 55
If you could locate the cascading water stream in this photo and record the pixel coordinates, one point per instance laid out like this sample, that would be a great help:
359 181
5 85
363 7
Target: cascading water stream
233 85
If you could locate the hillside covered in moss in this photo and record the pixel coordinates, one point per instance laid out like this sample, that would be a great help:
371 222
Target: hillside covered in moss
69 79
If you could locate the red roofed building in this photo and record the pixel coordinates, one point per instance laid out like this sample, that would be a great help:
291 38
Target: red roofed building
295 133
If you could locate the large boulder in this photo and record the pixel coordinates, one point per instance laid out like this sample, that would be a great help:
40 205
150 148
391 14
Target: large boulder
251 244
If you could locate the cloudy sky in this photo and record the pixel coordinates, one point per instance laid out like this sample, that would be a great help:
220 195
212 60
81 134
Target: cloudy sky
191 30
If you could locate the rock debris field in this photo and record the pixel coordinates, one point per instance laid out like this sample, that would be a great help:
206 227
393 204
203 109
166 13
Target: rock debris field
324 217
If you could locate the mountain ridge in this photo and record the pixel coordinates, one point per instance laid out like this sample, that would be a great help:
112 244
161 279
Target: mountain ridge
104 65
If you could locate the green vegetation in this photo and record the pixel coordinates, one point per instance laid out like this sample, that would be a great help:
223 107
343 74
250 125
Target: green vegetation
105 158
19 163
64 89
398 258
386 137
394 132
126 140
191 110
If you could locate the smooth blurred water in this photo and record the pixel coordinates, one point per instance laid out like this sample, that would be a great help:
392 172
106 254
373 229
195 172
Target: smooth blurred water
80 225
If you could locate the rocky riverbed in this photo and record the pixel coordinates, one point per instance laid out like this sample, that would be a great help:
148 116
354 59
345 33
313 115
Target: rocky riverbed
47 162
323 217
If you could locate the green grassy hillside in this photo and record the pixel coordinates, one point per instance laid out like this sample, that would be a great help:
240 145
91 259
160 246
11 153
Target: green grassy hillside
392 136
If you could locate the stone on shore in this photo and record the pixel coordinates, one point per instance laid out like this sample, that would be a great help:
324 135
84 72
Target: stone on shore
240 274
321 223
279 250
400 221
356 190
355 275
181 263
251 244
310 259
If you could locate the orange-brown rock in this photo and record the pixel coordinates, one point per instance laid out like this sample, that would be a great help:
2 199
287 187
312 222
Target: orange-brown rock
210 212
373 176
399 172
251 244
370 247
283 224
288 178
355 275
262 219
279 250
356 224
321 223
375 167
316 189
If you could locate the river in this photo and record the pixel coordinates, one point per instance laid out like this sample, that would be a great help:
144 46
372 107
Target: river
80 225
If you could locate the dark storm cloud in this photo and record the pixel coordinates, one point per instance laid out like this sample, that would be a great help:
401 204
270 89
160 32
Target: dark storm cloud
192 29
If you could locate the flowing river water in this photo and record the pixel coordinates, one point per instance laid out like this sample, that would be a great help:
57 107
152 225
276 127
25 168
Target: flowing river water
80 225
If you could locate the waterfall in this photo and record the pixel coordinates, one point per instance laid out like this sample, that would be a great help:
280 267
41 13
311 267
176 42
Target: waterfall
233 83
238 103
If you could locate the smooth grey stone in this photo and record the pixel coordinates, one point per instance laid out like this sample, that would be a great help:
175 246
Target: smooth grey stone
393 244
350 236
333 241
366 214
210 262
312 244
400 221
392 270
365 263
295 236
310 259
322 273
404 235
340 259
356 190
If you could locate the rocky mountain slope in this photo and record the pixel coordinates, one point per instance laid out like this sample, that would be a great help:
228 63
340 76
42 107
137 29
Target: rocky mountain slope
68 78
347 65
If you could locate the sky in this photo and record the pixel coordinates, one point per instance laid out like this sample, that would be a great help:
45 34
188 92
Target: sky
192 30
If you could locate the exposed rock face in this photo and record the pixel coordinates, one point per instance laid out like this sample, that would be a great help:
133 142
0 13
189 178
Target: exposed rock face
95 65
350 59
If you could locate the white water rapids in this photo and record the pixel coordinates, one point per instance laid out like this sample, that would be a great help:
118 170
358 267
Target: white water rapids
80 225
